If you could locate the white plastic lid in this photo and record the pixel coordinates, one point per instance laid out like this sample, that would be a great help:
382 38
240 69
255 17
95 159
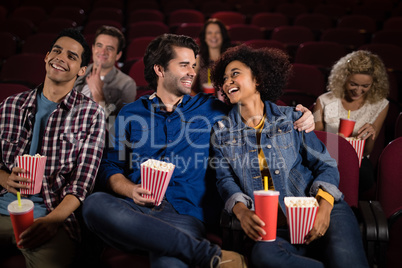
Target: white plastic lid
263 192
26 206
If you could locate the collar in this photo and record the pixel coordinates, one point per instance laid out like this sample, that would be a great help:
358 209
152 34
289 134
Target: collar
272 114
159 103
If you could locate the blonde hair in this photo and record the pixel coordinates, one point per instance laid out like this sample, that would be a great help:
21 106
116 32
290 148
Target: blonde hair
360 62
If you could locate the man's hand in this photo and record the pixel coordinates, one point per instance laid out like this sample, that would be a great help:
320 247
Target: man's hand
139 199
95 83
306 122
42 230
12 182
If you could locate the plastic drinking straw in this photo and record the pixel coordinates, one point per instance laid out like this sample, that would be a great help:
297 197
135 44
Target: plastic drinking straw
265 183
348 114
209 76
19 198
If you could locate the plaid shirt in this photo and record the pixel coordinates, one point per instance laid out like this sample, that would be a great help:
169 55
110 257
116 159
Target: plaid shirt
73 142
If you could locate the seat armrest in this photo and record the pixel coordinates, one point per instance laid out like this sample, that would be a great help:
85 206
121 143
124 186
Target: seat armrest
374 227
367 221
381 220
383 233
229 221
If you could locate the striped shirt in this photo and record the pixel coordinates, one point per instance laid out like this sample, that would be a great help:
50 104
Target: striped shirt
73 142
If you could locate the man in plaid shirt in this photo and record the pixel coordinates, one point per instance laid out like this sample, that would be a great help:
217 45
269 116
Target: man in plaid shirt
69 129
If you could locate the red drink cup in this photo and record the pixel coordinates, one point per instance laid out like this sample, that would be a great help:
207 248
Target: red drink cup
208 88
266 208
346 126
21 216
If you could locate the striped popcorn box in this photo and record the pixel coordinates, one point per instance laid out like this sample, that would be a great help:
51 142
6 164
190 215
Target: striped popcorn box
301 213
358 144
155 177
35 167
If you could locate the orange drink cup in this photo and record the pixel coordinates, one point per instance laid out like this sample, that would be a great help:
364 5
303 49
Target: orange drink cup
301 213
266 208
35 167
346 126
21 216
155 177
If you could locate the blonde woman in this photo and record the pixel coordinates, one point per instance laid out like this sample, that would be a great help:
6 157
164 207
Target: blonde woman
358 83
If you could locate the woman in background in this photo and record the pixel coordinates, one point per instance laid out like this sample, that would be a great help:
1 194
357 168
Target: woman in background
358 83
214 39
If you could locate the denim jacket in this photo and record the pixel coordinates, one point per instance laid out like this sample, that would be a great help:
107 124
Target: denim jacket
299 162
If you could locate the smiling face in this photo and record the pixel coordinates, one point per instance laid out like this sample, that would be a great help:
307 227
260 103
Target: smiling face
178 76
213 36
239 83
357 86
105 51
63 62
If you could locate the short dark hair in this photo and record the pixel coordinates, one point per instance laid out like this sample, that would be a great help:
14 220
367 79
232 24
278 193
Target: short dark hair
160 51
269 66
112 31
75 34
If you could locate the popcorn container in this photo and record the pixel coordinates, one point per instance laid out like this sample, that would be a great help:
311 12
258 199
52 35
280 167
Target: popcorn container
155 177
21 216
301 213
35 167
358 144
266 208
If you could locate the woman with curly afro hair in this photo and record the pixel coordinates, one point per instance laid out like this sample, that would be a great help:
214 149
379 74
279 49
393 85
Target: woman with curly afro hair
258 140
358 83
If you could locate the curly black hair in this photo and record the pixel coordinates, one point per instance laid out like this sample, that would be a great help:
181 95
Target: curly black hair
269 66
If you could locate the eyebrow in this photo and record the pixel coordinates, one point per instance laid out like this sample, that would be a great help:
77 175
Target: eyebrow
234 69
72 52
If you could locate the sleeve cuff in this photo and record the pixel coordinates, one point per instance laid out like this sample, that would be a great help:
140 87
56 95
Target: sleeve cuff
323 194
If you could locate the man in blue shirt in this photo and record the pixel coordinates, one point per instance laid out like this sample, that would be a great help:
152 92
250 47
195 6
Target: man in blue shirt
174 127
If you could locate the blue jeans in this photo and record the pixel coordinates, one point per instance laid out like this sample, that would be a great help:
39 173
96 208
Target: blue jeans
172 240
341 246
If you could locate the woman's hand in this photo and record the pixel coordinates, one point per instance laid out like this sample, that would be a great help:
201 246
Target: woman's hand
321 221
250 222
366 131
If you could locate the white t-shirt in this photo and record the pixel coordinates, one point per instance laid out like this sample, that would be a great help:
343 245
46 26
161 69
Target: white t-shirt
334 110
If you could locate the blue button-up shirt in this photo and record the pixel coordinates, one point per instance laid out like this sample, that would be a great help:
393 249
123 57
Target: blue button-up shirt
145 131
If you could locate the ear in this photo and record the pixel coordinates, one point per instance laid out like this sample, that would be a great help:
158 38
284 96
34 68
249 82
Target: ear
159 70
118 56
82 71
47 54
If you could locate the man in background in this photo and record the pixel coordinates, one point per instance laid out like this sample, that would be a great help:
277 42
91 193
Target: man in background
103 82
